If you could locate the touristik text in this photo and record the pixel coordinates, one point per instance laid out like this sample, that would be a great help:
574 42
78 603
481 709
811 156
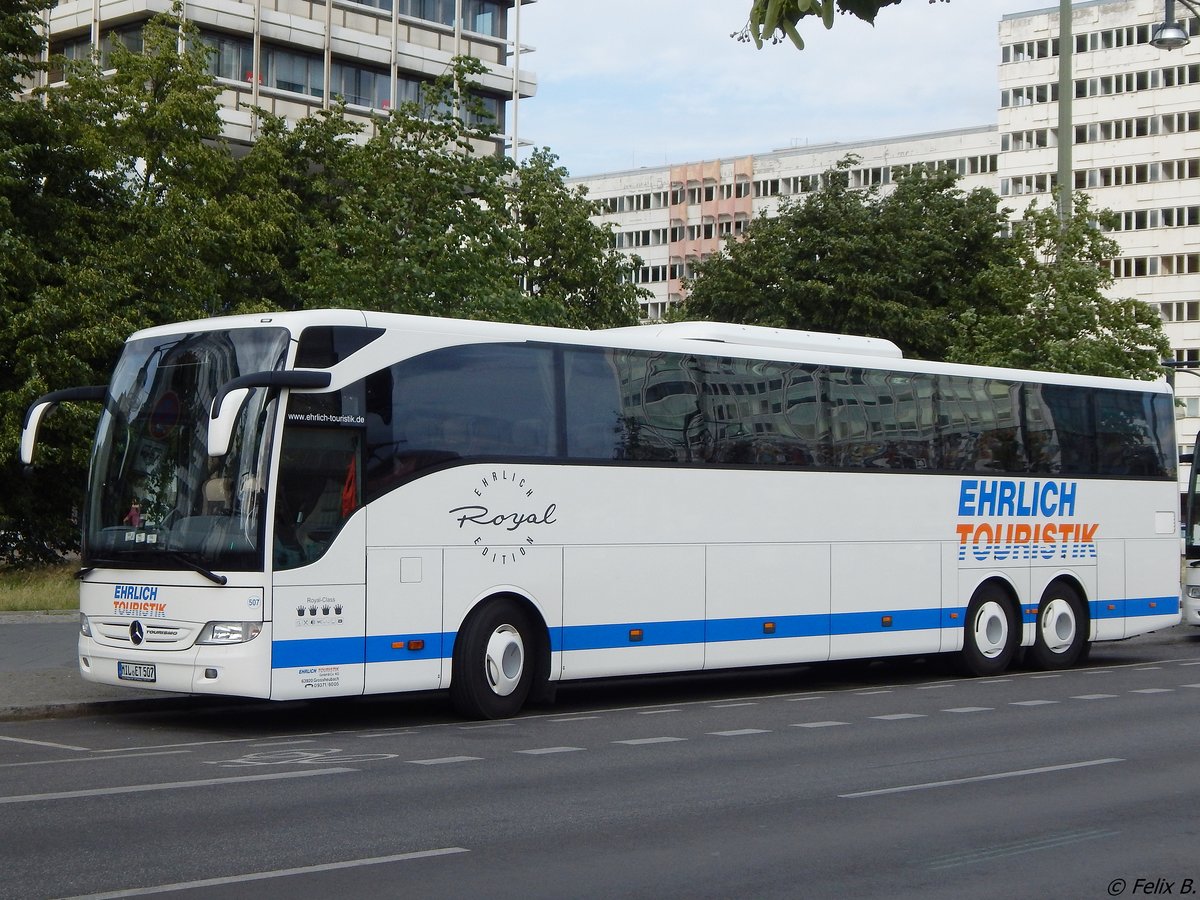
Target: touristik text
138 600
1048 528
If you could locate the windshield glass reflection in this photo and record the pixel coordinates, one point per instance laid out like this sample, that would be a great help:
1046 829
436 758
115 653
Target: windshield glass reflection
157 498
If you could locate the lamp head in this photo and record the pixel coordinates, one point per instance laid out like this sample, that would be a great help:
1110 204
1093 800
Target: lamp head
1169 36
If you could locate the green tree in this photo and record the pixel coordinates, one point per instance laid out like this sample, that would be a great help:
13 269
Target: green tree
941 272
774 20
567 265
843 260
1063 320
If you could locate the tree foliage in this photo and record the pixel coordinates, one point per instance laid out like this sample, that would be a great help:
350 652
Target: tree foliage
939 271
121 207
775 20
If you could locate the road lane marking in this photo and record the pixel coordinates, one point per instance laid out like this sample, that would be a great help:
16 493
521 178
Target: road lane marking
734 705
1153 691
575 719
1093 696
818 724
995 776
739 732
969 709
1016 848
444 760
657 712
543 750
44 744
653 740
896 717
85 759
277 873
169 786
1032 702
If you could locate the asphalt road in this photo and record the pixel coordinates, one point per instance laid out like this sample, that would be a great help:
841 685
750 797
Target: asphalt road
892 780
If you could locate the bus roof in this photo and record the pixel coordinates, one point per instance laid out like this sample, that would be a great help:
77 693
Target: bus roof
706 338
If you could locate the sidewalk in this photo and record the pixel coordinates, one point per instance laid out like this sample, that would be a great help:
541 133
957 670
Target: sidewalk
39 674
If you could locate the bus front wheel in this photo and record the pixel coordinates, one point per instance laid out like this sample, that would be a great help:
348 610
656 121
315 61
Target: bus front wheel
991 637
1061 635
493 661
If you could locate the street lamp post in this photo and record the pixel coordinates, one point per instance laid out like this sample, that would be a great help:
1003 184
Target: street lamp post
1066 90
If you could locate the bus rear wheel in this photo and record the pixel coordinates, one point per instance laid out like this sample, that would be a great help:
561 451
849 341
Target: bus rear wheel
991 637
1061 634
493 663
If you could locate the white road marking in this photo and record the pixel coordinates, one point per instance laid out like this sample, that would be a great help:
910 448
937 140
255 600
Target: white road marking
169 786
44 744
739 732
1153 691
818 724
896 717
734 705
444 760
969 709
995 776
657 712
543 750
85 759
1032 702
653 740
576 719
277 873
1093 696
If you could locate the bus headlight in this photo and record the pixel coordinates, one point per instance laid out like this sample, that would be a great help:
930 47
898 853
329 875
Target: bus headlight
1193 591
85 625
229 632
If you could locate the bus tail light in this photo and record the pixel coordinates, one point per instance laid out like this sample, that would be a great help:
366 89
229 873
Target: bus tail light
229 632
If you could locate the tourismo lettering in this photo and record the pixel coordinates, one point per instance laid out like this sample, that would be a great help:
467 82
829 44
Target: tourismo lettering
481 515
1002 497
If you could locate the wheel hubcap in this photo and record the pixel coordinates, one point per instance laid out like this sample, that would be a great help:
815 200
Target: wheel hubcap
1058 625
504 660
991 629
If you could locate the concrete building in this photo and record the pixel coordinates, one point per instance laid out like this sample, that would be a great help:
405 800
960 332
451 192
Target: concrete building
1135 147
292 57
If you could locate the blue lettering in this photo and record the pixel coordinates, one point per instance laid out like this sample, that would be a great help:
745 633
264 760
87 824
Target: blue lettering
966 497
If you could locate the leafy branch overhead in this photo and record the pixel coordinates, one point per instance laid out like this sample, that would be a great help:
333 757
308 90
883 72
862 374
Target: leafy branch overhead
774 20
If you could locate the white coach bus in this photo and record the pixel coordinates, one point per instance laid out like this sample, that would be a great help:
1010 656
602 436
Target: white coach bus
330 503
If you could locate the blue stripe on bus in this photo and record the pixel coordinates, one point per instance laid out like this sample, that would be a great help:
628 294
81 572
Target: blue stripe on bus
290 654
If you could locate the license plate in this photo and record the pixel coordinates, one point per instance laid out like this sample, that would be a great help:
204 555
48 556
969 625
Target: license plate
128 671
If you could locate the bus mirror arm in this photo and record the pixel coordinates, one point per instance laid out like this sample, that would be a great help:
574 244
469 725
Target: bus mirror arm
43 405
225 414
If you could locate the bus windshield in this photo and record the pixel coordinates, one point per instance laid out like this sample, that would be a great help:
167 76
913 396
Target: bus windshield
157 499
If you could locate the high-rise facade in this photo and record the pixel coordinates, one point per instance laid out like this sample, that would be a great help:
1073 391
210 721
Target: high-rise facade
292 57
1135 141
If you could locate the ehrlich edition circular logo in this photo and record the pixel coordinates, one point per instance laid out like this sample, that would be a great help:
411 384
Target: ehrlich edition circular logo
506 517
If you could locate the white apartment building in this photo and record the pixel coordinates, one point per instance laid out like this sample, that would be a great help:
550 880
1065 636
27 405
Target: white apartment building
1136 151
292 57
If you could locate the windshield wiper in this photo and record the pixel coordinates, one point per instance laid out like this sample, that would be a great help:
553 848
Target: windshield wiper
181 557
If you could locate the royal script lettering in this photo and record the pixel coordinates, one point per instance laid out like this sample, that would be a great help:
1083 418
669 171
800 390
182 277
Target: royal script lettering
481 515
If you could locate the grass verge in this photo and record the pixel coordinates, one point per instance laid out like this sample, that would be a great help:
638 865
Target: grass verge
37 590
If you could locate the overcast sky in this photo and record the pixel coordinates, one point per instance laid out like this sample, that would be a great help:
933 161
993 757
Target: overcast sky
630 83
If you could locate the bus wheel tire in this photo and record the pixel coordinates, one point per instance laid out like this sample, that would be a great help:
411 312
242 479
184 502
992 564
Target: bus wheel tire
493 662
991 637
1060 636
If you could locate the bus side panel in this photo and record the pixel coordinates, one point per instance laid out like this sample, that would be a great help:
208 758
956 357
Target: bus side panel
404 643
1151 585
632 609
319 613
766 604
1106 605
886 599
317 641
